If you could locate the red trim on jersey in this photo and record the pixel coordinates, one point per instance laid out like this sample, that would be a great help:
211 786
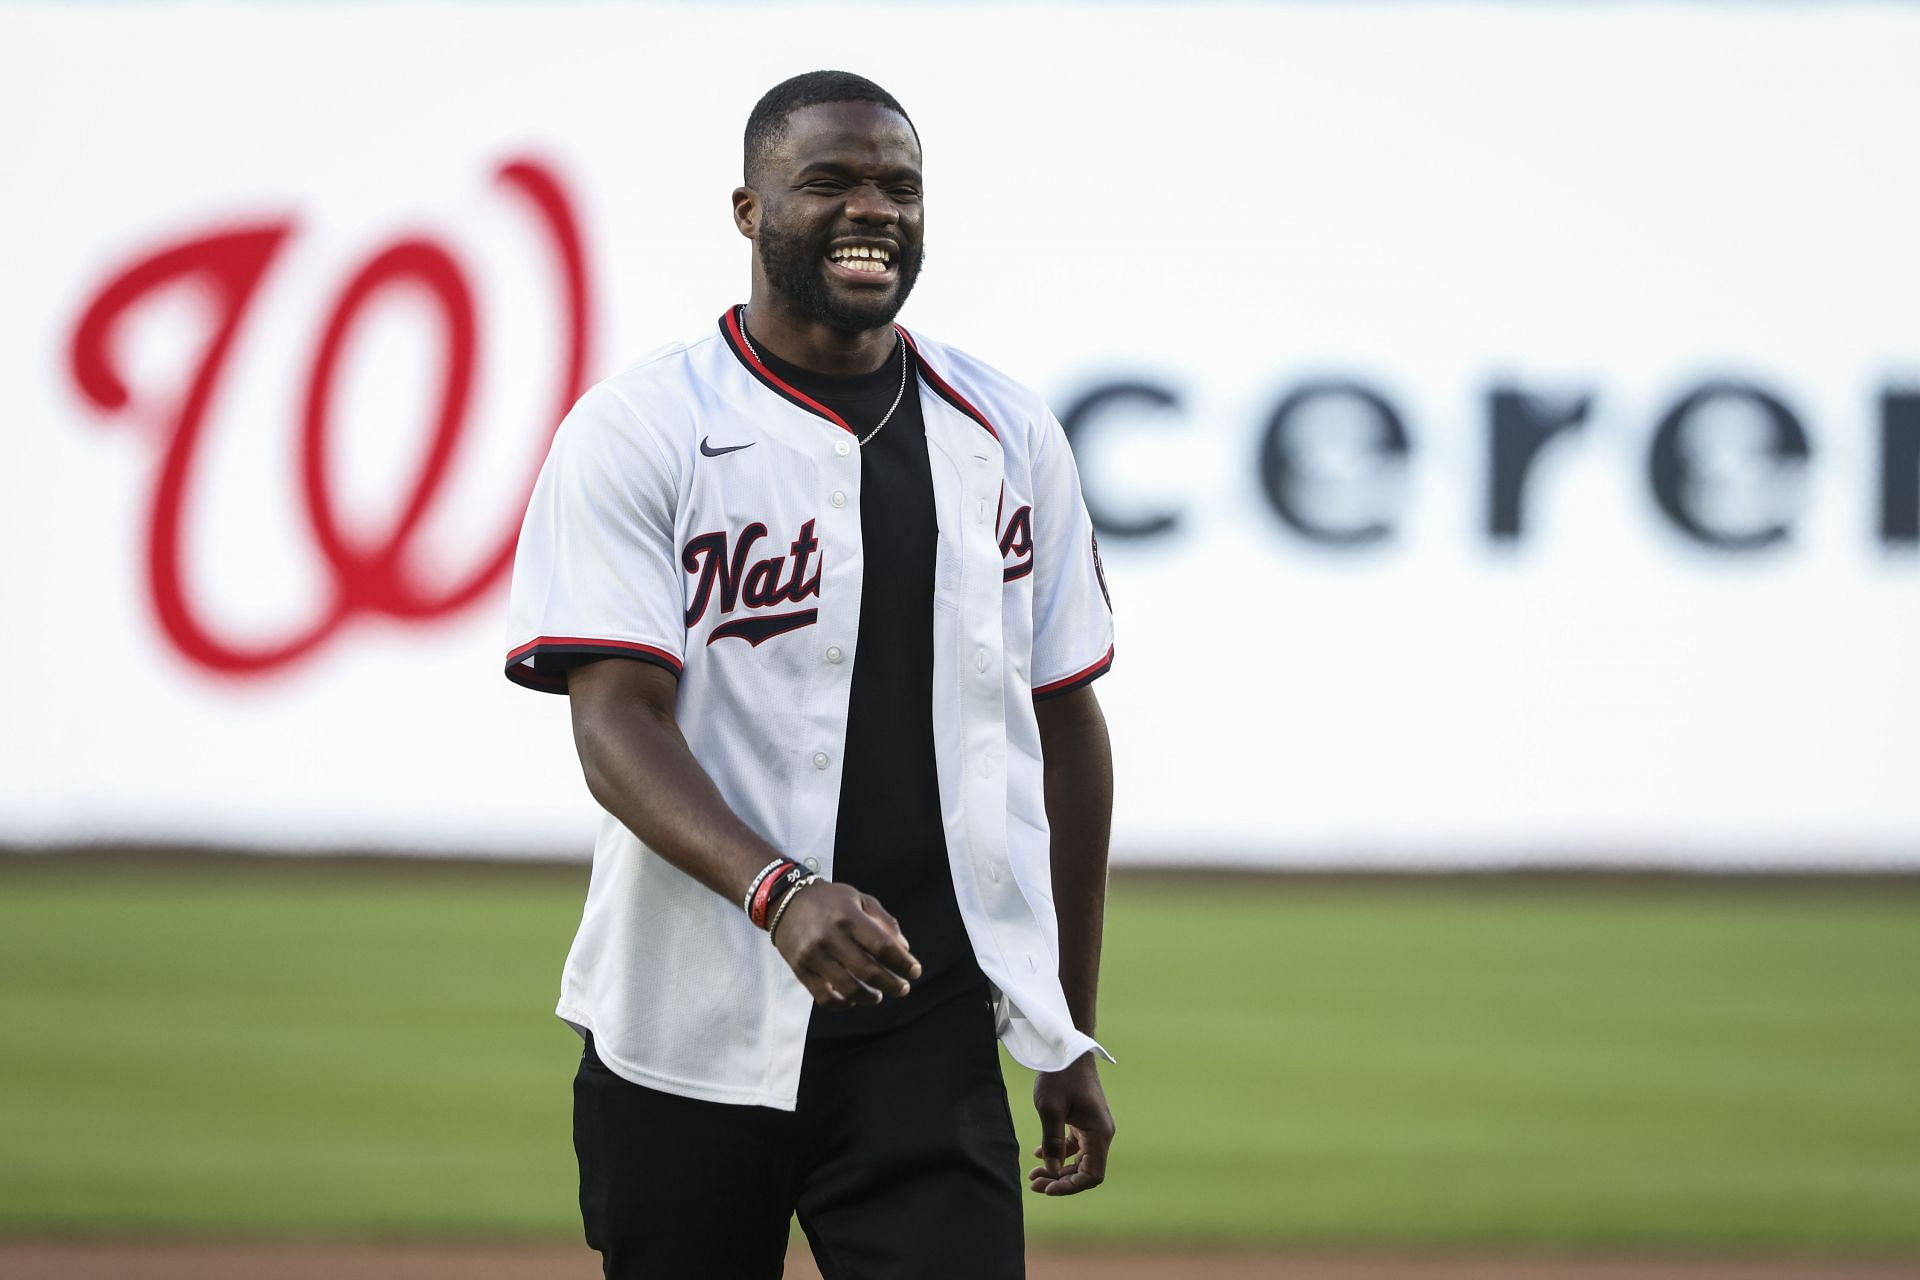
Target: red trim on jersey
946 391
523 670
589 642
735 334
1078 678
736 339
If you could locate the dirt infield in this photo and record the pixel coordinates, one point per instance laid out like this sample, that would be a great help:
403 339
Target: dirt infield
66 1261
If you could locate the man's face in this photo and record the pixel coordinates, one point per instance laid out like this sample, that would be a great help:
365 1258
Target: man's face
839 234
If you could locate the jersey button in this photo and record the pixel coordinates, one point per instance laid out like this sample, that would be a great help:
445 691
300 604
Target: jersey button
842 448
834 654
819 759
813 865
839 498
980 660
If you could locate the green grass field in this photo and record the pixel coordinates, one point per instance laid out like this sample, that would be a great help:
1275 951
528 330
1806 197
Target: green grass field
274 1049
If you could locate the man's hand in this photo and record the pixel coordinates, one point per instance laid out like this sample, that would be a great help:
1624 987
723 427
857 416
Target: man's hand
844 947
1074 1122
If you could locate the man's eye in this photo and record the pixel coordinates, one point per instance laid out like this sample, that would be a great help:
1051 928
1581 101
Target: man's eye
824 184
904 193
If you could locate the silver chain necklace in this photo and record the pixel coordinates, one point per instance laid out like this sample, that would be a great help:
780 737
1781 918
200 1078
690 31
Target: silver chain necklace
898 396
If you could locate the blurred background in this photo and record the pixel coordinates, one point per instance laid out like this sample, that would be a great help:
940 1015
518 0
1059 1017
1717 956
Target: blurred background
1503 427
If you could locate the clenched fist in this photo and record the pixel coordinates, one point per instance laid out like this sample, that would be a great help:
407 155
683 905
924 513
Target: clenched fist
844 947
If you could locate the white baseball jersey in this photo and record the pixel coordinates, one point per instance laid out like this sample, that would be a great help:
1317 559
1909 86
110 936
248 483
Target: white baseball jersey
697 512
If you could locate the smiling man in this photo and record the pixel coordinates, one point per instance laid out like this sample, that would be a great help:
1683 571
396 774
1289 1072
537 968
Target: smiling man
826 601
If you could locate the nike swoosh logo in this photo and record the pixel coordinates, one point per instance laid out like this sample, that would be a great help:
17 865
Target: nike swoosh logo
712 452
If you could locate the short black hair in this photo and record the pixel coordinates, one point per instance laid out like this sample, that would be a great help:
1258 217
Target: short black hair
769 119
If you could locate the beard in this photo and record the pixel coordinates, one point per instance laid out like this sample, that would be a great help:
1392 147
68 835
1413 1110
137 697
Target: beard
795 264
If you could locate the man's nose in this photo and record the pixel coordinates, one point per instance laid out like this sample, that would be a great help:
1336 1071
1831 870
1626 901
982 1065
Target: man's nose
870 204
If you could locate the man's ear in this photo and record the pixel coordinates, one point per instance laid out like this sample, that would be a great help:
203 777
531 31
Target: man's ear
746 211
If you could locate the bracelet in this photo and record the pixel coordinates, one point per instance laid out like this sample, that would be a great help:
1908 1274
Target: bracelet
782 908
746 903
774 888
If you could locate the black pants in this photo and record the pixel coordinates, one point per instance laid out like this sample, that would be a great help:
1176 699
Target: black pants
900 1159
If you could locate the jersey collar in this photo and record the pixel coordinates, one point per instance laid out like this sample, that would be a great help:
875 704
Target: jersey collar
735 336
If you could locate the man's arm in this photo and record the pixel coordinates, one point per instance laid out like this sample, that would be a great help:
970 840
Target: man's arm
1078 763
840 943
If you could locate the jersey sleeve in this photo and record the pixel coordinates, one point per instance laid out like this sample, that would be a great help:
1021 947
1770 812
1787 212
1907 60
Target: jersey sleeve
594 574
1072 613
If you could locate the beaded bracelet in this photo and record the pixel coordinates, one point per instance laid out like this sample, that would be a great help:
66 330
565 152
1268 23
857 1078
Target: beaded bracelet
782 908
757 885
746 903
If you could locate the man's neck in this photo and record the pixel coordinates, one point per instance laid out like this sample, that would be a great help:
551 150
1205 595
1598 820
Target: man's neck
812 345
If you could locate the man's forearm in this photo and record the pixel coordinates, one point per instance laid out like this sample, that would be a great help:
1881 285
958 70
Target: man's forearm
1079 790
639 767
840 943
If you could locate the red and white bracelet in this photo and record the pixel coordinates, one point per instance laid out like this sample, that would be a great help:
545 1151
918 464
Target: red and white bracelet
776 880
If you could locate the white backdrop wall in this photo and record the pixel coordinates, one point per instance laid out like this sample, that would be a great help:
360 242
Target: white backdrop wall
1405 621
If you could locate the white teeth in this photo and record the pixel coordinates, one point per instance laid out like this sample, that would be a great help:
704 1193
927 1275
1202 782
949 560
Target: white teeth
860 257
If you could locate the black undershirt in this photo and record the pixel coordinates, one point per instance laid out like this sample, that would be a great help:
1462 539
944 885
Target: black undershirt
889 840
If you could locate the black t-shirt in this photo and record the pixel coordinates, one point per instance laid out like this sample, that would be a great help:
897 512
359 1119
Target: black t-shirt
889 840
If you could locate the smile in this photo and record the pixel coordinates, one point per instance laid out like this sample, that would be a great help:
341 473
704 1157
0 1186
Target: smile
862 260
